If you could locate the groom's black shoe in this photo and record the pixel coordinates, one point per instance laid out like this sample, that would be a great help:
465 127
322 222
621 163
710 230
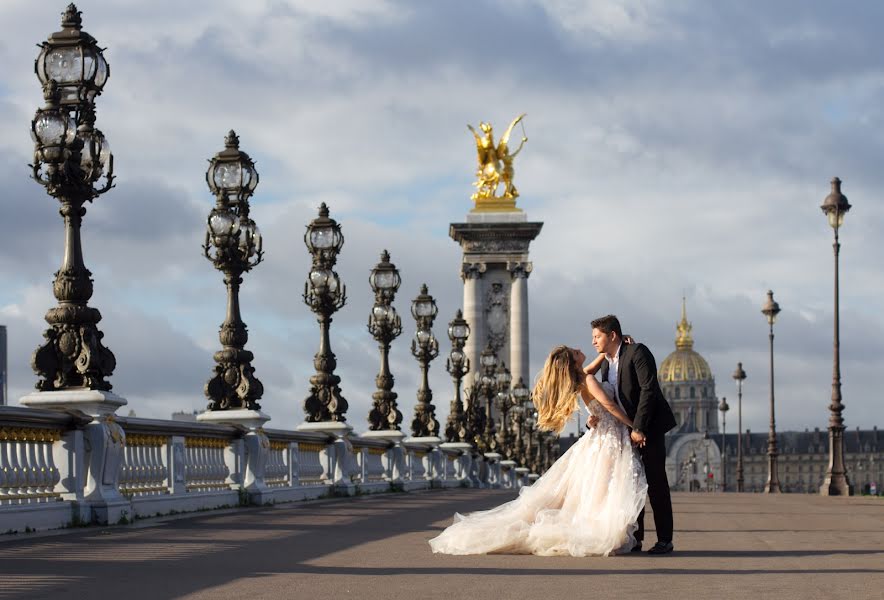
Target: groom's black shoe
662 548
637 547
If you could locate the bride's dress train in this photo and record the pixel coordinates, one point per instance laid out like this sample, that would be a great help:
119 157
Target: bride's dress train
586 504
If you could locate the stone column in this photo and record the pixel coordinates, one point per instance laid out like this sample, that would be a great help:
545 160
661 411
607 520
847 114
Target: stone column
519 321
471 273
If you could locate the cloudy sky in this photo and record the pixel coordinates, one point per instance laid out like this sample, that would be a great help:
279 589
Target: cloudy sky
678 147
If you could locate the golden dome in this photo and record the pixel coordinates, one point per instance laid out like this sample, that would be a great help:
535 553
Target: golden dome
684 364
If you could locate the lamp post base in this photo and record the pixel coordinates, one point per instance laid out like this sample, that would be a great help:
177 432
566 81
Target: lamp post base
837 485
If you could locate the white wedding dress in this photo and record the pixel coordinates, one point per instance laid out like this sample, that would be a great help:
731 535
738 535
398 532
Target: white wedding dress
586 504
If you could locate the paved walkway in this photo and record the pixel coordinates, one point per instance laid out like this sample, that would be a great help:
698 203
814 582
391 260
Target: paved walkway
727 546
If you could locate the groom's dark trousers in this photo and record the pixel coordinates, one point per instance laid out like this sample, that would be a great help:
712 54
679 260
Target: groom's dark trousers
654 458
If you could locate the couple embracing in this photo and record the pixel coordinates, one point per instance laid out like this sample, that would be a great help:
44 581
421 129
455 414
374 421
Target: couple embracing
591 500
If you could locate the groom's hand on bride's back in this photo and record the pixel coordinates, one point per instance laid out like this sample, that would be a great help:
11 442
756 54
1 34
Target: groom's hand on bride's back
628 339
592 421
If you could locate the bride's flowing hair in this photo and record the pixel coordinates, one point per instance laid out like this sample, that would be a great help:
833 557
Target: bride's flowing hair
555 389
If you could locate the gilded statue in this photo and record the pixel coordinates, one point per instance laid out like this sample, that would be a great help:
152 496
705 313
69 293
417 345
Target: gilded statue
495 162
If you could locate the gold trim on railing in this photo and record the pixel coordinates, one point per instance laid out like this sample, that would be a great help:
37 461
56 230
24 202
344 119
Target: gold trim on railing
135 490
276 446
142 439
310 447
205 442
377 451
29 434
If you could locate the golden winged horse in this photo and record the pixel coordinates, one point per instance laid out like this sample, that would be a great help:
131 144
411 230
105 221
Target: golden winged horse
495 162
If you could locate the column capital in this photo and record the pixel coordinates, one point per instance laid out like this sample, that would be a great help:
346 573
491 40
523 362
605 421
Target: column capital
519 269
470 270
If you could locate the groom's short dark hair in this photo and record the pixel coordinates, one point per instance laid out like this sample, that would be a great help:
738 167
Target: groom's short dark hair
608 323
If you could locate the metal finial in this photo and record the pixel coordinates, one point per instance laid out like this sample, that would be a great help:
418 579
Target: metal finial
323 210
70 18
231 140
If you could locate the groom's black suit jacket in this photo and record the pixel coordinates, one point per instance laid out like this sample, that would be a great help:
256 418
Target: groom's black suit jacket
640 391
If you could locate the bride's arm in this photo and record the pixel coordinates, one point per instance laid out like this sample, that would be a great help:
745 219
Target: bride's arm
592 387
594 366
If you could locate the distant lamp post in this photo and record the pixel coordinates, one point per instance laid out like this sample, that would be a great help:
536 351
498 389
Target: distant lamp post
770 310
384 325
836 482
521 397
424 347
457 365
503 402
739 375
723 407
487 384
72 160
324 294
234 246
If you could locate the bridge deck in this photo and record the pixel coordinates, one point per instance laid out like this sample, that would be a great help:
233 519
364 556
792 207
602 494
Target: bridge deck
727 546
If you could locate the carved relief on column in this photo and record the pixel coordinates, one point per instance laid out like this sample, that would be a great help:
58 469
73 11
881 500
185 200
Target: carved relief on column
497 316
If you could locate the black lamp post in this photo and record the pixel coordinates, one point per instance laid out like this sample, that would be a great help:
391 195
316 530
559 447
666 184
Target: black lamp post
324 294
424 347
739 375
521 397
384 325
72 160
723 407
457 365
770 310
487 384
234 246
503 403
836 482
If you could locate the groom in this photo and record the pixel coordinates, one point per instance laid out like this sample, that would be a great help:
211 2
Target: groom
631 369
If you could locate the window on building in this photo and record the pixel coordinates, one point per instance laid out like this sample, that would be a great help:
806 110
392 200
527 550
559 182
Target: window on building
693 394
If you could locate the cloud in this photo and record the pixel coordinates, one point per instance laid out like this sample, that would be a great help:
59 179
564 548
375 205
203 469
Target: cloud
674 148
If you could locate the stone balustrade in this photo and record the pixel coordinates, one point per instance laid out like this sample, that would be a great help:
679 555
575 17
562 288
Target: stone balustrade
49 467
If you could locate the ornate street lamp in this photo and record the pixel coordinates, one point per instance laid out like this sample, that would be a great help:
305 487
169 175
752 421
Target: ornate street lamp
475 415
324 294
72 160
836 482
521 397
457 365
234 246
503 403
739 375
530 431
384 325
770 310
424 347
723 407
487 385
72 58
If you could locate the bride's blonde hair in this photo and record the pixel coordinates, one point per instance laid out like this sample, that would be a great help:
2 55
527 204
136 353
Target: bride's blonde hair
555 389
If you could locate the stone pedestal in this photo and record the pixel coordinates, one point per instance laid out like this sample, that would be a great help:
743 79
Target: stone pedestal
508 474
464 461
103 444
394 458
343 464
433 460
521 477
255 444
492 473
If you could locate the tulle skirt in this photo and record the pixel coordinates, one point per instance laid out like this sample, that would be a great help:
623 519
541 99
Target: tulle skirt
586 504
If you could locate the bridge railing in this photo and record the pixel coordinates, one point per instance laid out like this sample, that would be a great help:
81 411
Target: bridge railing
64 468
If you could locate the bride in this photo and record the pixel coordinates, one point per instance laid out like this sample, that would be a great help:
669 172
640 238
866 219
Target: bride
588 502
